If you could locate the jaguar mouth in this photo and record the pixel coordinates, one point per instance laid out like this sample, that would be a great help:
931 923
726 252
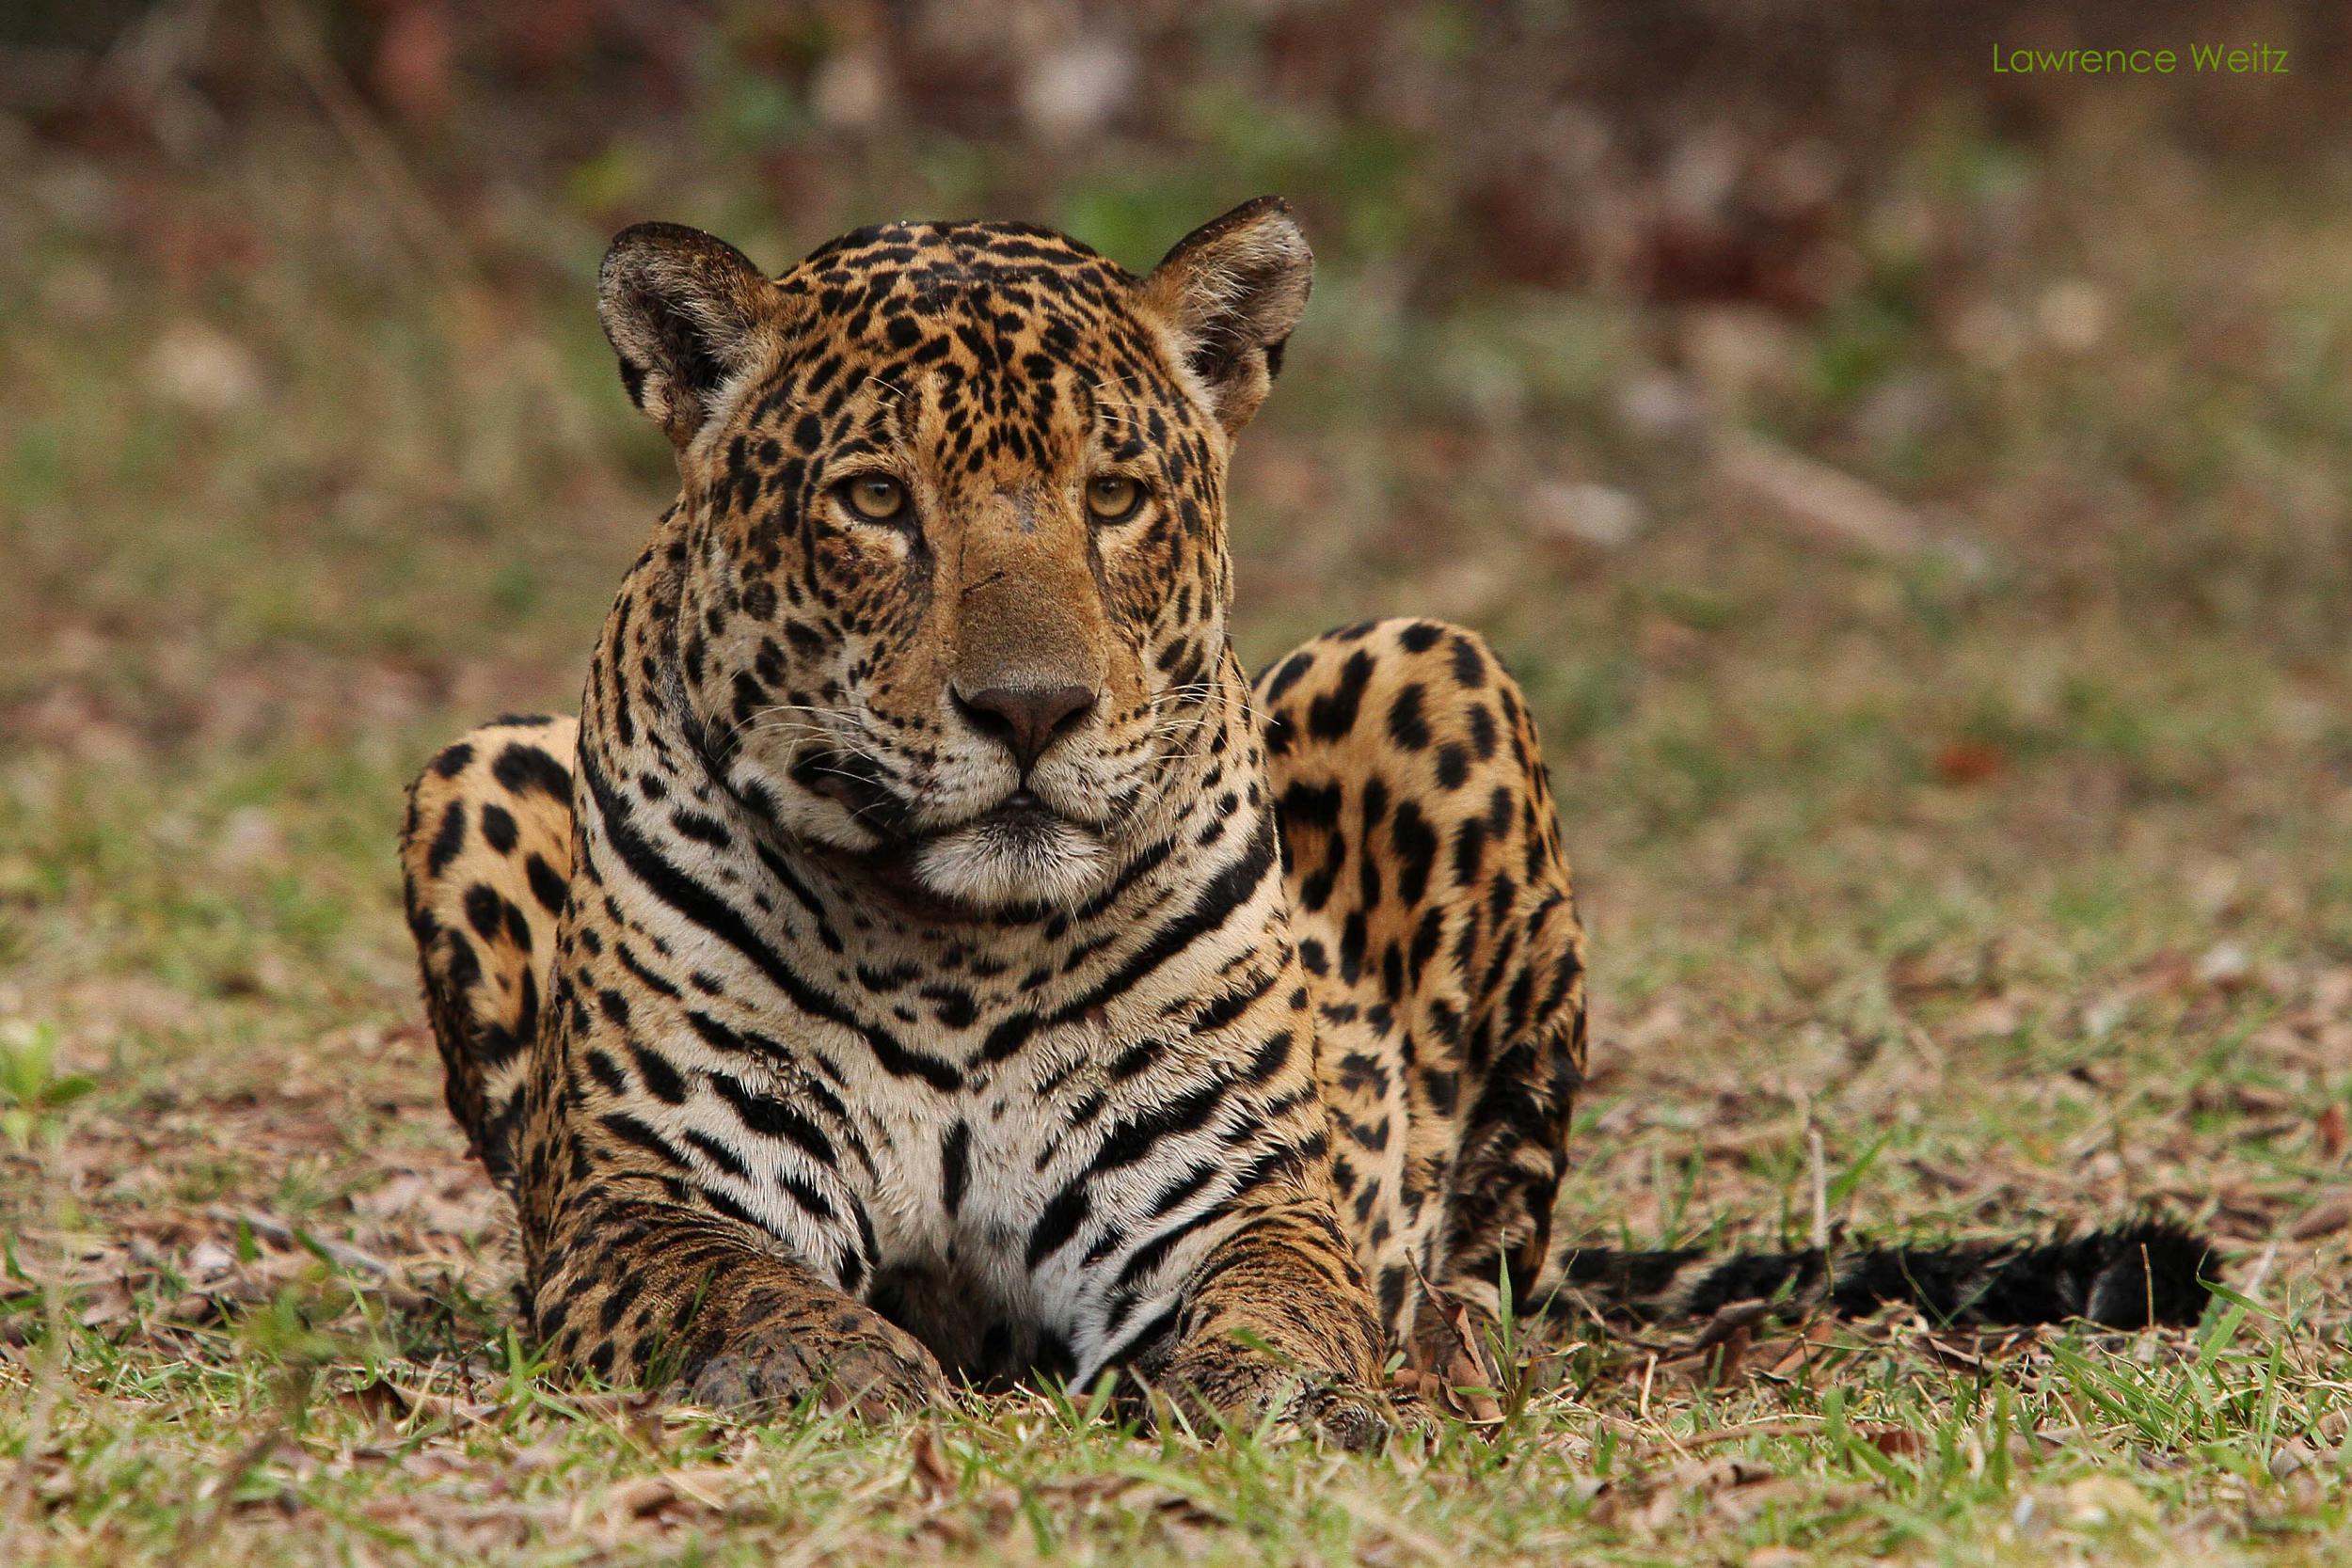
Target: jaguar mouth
1023 812
1021 805
1027 849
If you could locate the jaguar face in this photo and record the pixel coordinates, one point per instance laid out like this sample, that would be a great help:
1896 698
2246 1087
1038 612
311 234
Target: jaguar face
956 582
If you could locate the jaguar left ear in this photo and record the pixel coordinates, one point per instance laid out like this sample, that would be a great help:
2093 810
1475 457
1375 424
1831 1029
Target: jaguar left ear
1232 291
685 312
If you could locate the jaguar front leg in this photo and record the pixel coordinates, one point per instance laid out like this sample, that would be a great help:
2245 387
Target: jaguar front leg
655 1293
1278 1324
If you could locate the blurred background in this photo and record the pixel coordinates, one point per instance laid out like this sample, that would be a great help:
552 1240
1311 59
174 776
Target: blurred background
1912 495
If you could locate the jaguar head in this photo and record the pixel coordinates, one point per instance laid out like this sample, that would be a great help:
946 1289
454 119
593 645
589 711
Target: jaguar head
955 580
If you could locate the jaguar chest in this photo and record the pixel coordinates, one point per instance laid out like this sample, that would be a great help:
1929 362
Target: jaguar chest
1017 1203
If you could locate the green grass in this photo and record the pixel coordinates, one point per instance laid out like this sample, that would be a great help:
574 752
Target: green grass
2019 869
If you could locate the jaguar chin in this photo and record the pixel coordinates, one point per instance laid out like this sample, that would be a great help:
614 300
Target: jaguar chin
1020 853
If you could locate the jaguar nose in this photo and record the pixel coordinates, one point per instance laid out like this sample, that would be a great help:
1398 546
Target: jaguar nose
1027 719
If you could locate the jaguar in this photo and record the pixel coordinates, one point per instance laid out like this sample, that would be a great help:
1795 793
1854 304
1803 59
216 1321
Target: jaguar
929 958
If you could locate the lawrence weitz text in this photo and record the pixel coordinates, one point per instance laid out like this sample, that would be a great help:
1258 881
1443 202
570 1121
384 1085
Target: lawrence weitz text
2212 59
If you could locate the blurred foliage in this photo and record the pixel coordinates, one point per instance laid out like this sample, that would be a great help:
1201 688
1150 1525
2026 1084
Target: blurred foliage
1674 149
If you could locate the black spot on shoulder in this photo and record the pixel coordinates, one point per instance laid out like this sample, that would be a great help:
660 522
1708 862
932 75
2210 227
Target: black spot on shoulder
483 911
1407 727
1484 737
1330 716
522 768
1286 675
448 838
546 885
1416 846
1470 665
1469 850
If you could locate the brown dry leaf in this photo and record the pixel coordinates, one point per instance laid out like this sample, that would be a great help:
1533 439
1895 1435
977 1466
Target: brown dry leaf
2331 1132
396 1196
1896 1442
377 1401
2254 1100
106 1303
2225 967
1468 1382
672 1494
1451 1371
1950 1355
441 1407
2325 1218
1817 1343
640 1415
1175 1507
208 1261
194 1310
1413 1384
413 1203
1718 1356
1667 643
1970 762
528 1461
1718 1366
482 1526
2292 1457
1991 1016
1733 1319
646 1497
1741 1505
269 1228
1712 1480
934 1480
434 1464
1717 1475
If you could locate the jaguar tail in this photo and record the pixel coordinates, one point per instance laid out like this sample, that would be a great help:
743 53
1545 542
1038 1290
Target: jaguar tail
2133 1276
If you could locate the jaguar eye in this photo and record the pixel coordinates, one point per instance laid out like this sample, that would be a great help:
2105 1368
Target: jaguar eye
1113 497
874 498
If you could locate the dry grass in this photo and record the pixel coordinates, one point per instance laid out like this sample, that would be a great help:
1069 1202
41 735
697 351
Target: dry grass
1998 836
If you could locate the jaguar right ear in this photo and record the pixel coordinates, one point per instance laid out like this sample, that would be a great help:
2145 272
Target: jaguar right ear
1231 291
686 314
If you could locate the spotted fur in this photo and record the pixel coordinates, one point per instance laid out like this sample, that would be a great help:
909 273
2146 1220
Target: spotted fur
927 955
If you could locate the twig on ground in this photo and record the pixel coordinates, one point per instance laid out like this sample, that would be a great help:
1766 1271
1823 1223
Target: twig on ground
270 1227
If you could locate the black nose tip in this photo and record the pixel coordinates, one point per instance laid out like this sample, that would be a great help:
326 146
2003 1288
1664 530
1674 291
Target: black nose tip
1026 717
